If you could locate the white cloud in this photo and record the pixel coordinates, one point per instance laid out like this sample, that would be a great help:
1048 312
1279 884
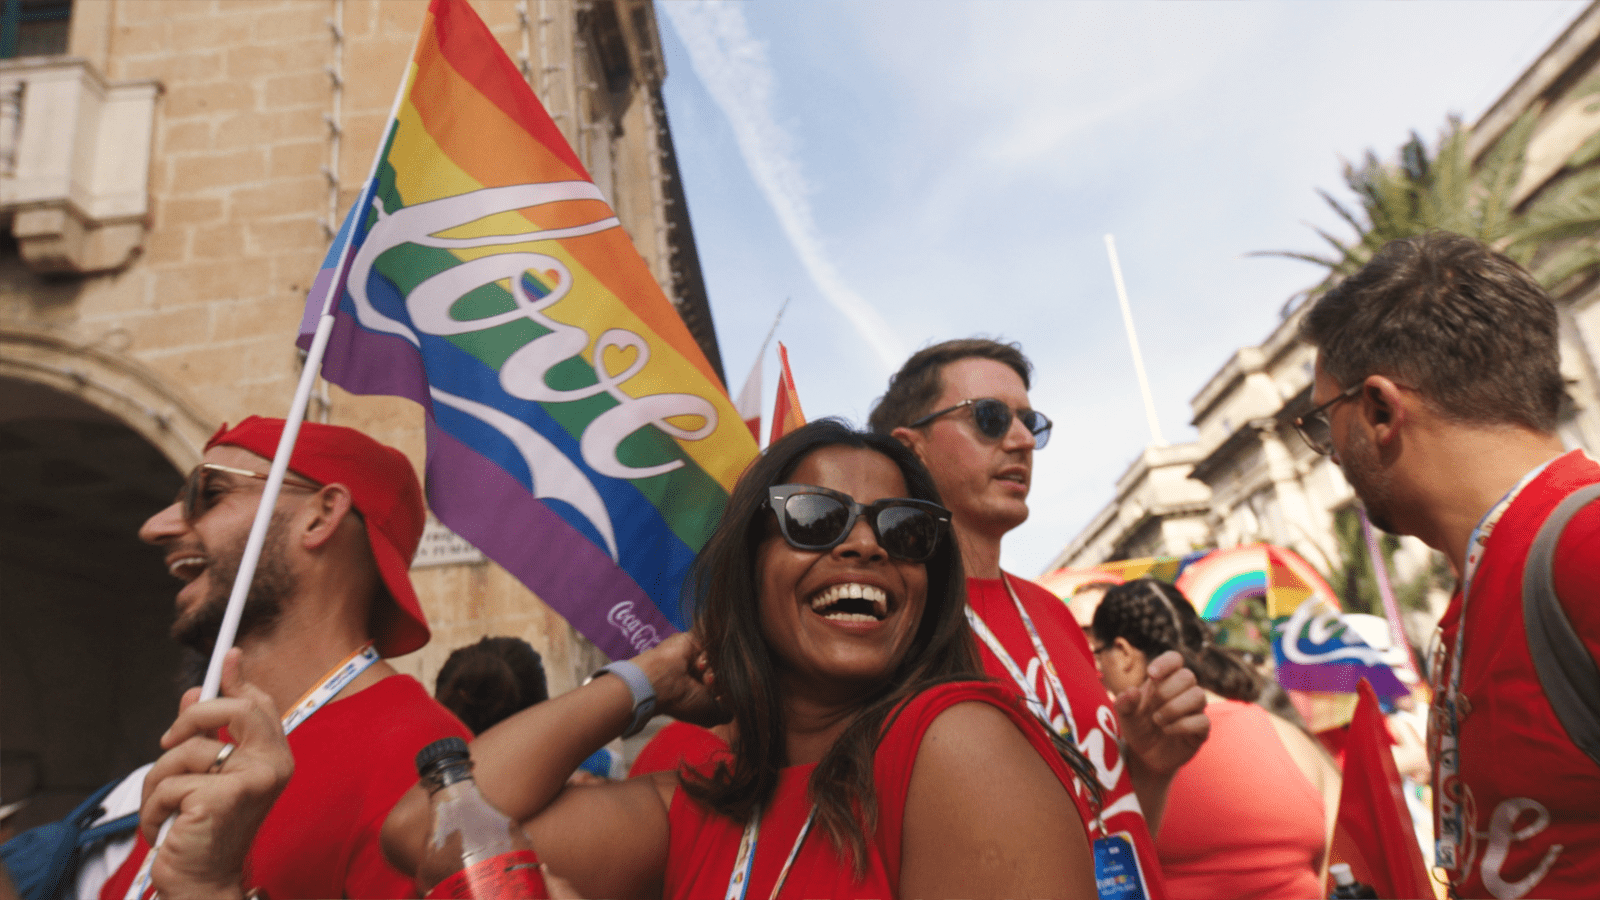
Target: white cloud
733 67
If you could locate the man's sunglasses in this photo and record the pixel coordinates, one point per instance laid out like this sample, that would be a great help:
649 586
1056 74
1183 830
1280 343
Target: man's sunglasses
1316 428
196 498
815 518
993 418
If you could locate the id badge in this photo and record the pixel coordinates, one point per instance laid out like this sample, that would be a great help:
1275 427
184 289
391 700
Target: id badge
1117 875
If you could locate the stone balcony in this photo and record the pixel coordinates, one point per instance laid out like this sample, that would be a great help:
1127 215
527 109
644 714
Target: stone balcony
74 163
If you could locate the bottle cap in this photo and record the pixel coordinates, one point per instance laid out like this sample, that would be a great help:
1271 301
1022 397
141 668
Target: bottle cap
1340 871
439 751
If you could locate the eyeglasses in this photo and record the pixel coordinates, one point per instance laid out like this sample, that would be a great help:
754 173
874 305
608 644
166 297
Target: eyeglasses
1315 427
815 518
993 418
196 497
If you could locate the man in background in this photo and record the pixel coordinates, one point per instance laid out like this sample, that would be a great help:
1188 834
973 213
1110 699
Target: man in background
1438 388
962 406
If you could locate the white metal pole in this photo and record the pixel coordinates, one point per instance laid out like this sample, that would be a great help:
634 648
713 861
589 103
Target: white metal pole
297 413
212 685
1133 344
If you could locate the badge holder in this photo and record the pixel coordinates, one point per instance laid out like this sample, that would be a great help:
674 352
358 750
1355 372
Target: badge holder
1117 874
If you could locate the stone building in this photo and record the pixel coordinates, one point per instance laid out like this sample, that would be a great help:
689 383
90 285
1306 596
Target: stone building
1248 477
170 175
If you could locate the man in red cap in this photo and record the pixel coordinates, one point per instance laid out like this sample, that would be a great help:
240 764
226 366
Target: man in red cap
331 599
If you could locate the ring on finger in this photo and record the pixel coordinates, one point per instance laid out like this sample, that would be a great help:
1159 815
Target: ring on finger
222 757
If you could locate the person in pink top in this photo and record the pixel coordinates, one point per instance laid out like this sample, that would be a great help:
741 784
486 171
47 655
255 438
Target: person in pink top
1250 817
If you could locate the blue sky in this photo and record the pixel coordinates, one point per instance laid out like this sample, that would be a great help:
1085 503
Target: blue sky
907 172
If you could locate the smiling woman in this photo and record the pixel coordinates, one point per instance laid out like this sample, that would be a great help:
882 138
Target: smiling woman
868 757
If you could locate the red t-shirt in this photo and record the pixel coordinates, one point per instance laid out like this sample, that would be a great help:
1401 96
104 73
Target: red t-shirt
702 846
1094 723
352 761
1242 821
679 743
1536 795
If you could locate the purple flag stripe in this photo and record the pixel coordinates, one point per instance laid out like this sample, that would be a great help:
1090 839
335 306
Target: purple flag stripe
1339 678
484 504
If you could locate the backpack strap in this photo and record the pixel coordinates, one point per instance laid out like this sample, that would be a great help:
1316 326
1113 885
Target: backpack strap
114 828
1566 669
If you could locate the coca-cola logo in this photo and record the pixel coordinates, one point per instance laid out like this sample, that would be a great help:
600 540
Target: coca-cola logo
638 632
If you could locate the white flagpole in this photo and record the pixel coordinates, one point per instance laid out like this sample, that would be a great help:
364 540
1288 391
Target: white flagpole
296 416
773 330
1133 344
212 686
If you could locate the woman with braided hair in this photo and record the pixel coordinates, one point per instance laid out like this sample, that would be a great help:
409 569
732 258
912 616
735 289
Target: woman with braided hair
1251 815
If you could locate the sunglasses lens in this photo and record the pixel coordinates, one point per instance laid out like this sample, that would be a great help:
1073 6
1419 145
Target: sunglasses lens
814 521
992 417
908 533
1038 424
1316 430
189 494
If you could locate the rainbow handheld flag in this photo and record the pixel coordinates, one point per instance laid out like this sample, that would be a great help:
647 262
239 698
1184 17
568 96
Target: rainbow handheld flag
1316 651
576 433
786 412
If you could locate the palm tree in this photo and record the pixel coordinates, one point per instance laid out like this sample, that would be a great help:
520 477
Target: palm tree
1551 234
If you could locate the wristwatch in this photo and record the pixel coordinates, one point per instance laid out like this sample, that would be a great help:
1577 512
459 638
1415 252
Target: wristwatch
644 693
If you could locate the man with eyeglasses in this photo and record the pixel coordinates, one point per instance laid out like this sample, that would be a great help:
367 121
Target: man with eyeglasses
331 600
962 406
1438 390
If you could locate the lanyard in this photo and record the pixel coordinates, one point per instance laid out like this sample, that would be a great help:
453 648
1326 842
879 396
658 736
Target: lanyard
336 680
1455 819
1025 684
739 879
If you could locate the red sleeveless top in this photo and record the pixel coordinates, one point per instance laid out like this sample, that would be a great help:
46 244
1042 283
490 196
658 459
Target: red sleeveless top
703 844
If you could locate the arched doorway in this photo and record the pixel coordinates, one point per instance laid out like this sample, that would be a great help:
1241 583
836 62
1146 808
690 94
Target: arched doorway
89 672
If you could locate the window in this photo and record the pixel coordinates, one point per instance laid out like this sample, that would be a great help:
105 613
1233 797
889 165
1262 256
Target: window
34 27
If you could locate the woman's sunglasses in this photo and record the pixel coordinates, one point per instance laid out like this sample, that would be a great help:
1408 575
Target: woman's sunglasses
815 518
196 497
993 418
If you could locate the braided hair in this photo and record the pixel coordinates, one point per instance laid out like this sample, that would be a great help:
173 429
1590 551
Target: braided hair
1155 617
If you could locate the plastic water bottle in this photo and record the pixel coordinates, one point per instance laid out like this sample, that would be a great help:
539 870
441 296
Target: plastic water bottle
474 851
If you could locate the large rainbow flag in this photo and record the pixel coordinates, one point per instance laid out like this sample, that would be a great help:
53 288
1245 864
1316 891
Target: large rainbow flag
576 433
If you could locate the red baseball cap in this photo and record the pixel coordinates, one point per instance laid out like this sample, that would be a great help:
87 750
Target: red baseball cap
383 488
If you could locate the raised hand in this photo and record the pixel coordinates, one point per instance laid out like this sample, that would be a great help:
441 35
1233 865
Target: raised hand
219 796
685 685
1163 720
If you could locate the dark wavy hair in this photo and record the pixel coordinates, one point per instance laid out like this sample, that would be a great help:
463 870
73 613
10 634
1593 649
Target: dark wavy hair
485 682
1155 617
724 585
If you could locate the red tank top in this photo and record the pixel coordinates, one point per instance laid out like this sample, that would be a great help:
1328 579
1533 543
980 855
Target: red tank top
703 845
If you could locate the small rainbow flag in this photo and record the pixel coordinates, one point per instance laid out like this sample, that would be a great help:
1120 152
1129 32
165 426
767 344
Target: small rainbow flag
576 433
786 412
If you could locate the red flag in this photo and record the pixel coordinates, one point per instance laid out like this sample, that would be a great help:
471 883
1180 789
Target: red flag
1374 833
786 413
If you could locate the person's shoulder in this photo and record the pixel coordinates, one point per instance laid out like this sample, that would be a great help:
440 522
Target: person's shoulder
977 736
914 719
1577 578
971 722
